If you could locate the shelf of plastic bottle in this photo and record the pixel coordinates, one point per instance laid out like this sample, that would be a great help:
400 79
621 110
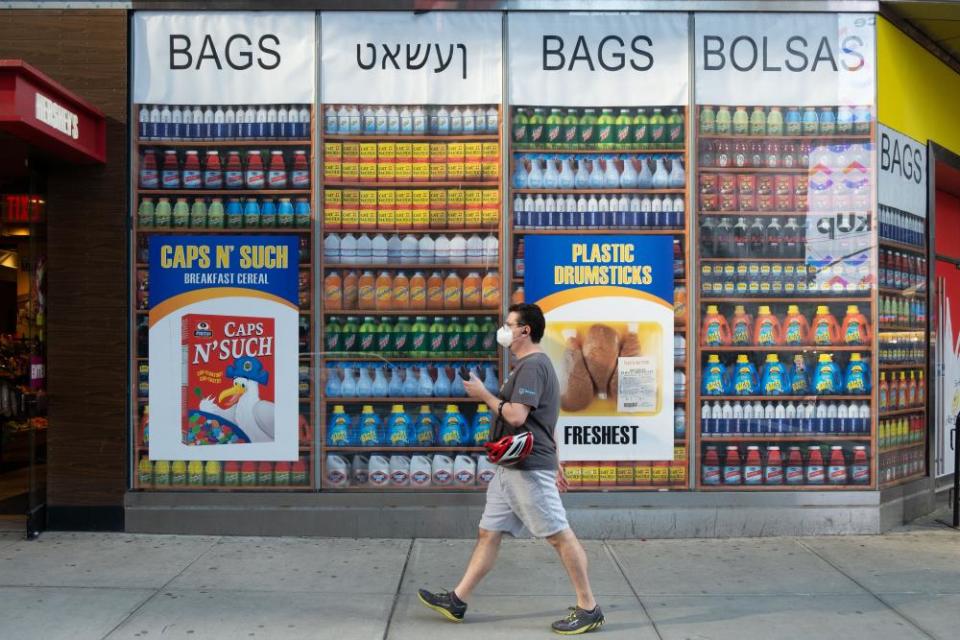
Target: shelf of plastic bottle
240 193
216 488
902 366
778 348
889 413
144 265
902 246
413 266
477 137
885 327
624 487
901 447
751 259
587 192
223 231
258 143
597 232
793 300
141 447
903 480
774 214
630 150
777 170
390 359
836 137
826 437
450 488
906 293
389 449
402 400
412 312
442 184
784 487
823 398
406 230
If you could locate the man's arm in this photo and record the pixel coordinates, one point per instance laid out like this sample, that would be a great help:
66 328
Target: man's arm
514 413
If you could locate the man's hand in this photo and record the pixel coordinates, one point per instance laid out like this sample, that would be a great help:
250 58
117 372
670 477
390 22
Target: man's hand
562 483
474 387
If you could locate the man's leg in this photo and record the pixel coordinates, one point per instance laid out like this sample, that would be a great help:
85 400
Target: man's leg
481 562
574 560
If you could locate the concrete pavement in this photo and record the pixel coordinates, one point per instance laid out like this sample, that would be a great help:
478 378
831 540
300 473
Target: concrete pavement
96 586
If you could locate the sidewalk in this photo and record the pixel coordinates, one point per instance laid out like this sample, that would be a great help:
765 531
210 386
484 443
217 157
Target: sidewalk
81 585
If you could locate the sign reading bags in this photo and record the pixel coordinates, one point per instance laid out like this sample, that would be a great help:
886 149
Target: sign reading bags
903 172
598 59
224 58
792 59
404 58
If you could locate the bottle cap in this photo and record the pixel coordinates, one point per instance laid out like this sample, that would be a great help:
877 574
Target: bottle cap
452 408
712 309
854 357
763 310
825 357
742 358
852 309
482 408
823 310
772 357
338 408
713 358
425 408
397 408
367 408
739 309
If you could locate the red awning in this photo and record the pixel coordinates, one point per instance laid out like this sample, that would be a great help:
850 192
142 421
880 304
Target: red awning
43 113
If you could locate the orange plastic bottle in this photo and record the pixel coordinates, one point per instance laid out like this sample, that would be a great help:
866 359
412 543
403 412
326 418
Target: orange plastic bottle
471 290
366 291
856 328
883 393
333 291
383 292
741 332
912 390
716 331
491 290
351 290
418 291
401 292
435 291
902 391
796 330
825 331
766 330
517 297
452 291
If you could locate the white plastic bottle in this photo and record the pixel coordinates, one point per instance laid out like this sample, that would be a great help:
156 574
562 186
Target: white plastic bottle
331 248
458 249
474 249
364 248
491 249
426 250
348 249
409 249
379 247
442 250
394 248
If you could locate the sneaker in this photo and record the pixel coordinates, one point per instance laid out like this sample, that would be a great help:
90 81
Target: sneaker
579 621
444 603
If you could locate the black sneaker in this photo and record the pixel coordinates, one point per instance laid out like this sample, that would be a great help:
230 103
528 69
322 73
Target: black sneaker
579 621
444 603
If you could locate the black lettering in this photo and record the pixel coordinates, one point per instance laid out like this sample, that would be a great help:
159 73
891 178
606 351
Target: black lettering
646 66
885 152
244 54
896 163
635 437
184 51
917 163
581 52
271 52
849 47
212 55
733 53
715 52
824 54
766 65
621 59
548 51
798 53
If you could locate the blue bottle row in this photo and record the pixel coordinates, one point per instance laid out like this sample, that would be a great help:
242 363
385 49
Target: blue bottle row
401 429
414 380
627 171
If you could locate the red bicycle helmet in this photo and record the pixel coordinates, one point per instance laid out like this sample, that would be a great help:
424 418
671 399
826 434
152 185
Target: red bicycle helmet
510 450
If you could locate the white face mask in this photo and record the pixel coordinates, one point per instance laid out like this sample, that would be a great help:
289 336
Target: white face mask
505 336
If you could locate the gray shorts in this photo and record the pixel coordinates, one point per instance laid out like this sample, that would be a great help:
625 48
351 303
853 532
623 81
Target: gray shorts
518 499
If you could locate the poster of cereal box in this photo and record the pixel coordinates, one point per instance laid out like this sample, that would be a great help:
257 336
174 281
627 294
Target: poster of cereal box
223 348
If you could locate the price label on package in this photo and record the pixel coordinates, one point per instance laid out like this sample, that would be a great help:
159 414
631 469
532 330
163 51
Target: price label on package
636 384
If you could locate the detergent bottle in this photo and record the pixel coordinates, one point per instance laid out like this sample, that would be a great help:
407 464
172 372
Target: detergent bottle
714 377
857 379
766 330
716 332
338 430
369 427
799 376
380 387
795 327
425 428
398 427
456 387
364 383
482 422
742 327
425 383
745 382
395 388
826 378
333 387
824 332
453 427
441 388
411 386
855 329
774 379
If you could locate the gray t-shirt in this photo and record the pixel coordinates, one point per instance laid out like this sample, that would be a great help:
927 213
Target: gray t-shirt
533 382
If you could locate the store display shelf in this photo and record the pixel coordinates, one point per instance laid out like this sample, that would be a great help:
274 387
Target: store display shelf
902 246
376 137
906 293
783 349
240 193
412 312
814 139
224 231
628 487
588 192
404 230
889 413
751 259
778 170
629 149
794 300
222 488
814 437
347 357
903 366
388 449
141 447
901 447
885 327
519 231
412 266
439 184
259 143
784 487
823 398
407 489
400 400
775 214
903 480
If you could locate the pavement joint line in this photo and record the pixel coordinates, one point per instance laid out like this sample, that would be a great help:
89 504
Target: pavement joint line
643 607
879 599
161 588
396 596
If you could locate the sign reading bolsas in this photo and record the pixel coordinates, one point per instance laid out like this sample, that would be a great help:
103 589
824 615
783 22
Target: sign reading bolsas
785 59
624 59
407 58
903 172
224 58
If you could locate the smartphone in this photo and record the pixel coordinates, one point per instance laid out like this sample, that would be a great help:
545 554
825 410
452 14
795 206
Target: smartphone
463 372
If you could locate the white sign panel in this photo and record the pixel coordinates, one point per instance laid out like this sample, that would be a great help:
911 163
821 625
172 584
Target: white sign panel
598 59
404 58
903 172
224 58
785 59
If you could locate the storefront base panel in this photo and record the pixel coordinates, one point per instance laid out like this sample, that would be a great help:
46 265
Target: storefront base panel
689 515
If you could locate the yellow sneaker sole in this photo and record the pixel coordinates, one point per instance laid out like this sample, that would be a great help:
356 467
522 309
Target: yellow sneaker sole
589 627
446 614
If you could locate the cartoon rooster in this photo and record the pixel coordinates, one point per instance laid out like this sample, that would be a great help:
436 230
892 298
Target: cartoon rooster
241 403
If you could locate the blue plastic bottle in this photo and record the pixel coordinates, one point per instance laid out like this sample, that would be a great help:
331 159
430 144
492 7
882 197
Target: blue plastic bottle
338 429
596 174
348 388
411 386
582 179
452 427
379 383
482 423
566 173
364 383
520 174
456 387
551 177
714 377
333 388
611 177
426 427
745 379
799 377
424 382
441 388
774 379
628 179
490 380
395 388
826 378
645 178
369 427
857 379
535 177
399 432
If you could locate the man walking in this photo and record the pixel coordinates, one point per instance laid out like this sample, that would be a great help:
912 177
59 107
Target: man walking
526 494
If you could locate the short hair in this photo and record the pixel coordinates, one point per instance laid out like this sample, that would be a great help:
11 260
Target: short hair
532 316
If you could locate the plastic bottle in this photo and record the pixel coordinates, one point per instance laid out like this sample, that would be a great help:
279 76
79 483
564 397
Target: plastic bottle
741 333
745 379
424 382
452 427
774 379
364 382
773 469
338 429
856 329
714 377
795 328
857 378
753 466
715 330
883 392
732 469
860 468
799 376
399 432
482 423
369 428
425 427
380 386
814 472
766 332
710 468
824 330
826 378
